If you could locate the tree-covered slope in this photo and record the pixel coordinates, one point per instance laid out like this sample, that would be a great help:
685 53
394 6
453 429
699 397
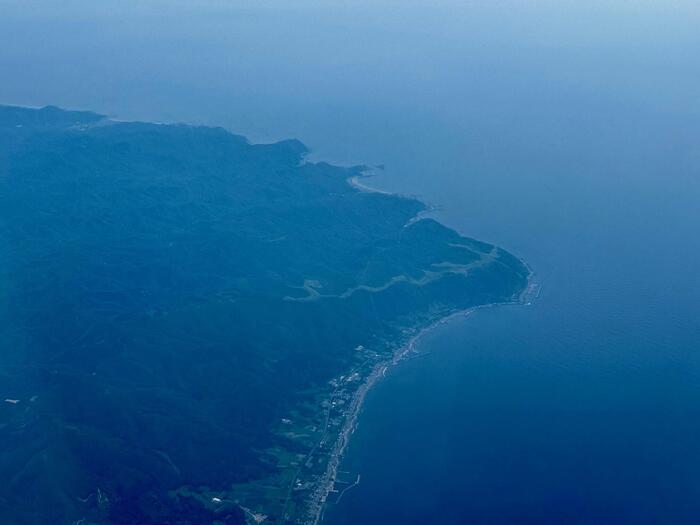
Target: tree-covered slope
169 292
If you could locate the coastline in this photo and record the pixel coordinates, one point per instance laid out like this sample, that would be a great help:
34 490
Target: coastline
326 484
311 508
317 502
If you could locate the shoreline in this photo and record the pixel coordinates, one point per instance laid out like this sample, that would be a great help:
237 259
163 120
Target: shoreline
354 181
318 500
327 483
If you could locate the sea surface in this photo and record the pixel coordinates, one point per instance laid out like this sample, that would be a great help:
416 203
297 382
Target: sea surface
566 132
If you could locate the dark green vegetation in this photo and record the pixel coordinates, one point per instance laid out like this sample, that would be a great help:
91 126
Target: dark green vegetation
169 293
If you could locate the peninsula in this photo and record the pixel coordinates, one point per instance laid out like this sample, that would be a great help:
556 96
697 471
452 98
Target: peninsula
189 322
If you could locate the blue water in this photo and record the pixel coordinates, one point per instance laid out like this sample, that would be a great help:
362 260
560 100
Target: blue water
569 134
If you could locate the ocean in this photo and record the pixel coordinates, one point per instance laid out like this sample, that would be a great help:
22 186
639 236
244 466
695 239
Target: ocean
569 134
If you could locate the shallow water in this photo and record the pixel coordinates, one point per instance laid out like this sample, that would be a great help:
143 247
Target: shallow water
567 134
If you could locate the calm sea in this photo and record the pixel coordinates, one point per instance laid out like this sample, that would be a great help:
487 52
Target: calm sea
567 132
